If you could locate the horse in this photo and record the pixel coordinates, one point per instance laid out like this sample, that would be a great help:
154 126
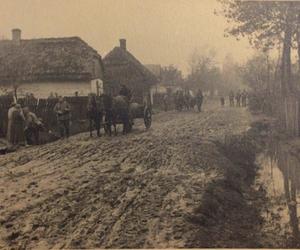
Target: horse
94 113
116 110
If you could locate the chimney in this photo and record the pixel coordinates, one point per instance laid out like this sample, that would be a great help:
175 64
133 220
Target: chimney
123 44
16 36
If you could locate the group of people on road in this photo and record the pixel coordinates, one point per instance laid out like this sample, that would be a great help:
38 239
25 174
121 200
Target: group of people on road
184 100
23 126
238 99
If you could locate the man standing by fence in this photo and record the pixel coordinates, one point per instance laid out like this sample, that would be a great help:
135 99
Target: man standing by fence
32 127
62 110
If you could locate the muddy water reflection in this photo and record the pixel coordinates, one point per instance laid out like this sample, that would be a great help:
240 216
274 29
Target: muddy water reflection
280 179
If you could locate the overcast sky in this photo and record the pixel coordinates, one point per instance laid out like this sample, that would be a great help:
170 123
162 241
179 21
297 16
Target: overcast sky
157 31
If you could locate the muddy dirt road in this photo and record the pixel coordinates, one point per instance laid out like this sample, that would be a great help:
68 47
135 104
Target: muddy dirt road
133 191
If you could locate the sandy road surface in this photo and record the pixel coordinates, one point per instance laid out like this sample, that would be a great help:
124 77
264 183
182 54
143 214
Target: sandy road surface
126 191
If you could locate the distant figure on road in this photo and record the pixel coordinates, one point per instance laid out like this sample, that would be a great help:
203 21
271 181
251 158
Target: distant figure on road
124 91
62 110
244 98
238 98
199 100
33 126
222 100
231 98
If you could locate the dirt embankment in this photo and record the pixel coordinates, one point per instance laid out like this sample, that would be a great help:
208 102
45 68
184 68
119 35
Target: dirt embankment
184 183
237 210
228 215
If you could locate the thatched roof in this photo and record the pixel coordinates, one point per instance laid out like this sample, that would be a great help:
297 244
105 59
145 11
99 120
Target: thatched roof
51 59
121 58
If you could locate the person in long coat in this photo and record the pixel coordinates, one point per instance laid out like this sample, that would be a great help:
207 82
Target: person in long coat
17 127
9 121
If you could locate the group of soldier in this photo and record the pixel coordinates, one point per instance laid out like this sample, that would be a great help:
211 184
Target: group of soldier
24 127
238 99
184 100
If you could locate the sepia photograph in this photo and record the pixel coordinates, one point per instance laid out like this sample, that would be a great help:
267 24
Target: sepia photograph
149 124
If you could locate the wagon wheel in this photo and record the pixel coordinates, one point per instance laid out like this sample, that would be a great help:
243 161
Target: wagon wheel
147 117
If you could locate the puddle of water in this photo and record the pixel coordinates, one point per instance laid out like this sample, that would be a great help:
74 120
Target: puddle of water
279 179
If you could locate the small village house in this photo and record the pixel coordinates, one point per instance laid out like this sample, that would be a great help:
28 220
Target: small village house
121 67
41 66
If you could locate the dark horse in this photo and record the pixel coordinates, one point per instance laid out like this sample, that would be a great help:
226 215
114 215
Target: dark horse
116 111
94 113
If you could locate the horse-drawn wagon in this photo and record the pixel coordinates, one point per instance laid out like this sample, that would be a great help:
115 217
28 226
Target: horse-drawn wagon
117 110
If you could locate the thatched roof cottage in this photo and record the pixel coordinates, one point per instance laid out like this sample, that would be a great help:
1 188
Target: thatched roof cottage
121 67
41 66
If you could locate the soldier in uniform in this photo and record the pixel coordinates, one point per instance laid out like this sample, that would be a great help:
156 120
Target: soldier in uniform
199 100
222 100
244 98
231 98
62 110
238 98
